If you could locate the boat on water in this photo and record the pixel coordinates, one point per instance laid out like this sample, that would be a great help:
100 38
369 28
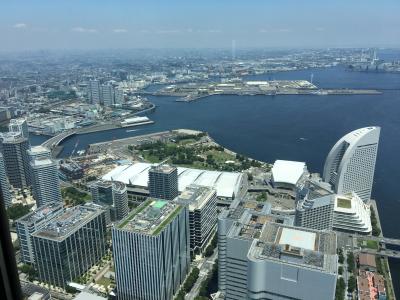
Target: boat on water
136 121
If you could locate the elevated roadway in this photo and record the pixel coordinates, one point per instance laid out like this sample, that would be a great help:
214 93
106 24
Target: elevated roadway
56 140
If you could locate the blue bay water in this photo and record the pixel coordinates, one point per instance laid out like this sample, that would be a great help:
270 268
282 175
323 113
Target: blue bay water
302 128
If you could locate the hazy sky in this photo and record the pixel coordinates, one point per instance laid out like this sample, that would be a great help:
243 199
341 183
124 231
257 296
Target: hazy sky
93 24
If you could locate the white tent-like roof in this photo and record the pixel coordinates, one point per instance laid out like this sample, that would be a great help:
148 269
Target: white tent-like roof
226 184
285 171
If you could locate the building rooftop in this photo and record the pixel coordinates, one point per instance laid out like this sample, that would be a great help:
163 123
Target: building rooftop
163 168
12 137
196 196
39 149
226 184
298 238
366 259
40 213
17 121
39 162
150 217
305 247
290 172
68 222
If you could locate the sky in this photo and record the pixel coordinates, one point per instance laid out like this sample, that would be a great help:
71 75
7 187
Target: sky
105 24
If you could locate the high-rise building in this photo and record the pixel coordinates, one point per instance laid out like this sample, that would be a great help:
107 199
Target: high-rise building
120 197
163 182
10 287
16 159
4 184
119 96
232 249
286 262
351 214
36 152
94 92
151 251
350 164
69 245
19 126
31 222
314 206
319 208
45 182
102 192
202 204
107 94
112 194
315 213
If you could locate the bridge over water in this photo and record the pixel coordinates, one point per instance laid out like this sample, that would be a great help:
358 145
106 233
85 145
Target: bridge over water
53 142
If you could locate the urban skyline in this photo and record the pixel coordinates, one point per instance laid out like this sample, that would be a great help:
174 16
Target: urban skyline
178 24
199 150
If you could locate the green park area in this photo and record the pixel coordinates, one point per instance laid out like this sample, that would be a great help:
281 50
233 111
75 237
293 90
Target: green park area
189 151
369 244
73 196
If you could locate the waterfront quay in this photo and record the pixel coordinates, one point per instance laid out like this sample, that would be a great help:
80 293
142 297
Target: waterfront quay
136 140
194 91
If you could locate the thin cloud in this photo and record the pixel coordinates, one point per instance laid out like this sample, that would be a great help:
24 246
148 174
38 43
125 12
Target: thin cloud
320 29
169 31
84 30
209 31
120 30
274 30
20 25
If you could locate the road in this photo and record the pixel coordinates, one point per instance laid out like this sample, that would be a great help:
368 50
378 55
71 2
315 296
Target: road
205 267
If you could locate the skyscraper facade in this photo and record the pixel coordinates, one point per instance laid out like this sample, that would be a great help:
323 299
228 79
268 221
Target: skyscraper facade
94 92
45 182
350 164
4 184
202 204
69 245
151 251
119 96
31 222
120 196
163 182
16 159
290 263
107 94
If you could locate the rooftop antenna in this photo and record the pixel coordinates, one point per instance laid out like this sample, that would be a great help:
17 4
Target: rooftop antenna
233 49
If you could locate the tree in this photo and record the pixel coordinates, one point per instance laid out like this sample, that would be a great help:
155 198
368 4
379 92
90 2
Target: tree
340 289
340 270
341 257
70 289
350 262
250 176
17 211
351 284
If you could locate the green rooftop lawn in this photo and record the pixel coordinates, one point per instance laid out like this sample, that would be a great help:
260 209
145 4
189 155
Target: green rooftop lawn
134 213
343 203
167 220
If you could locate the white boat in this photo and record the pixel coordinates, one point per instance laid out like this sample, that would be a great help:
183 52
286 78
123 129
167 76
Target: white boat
136 121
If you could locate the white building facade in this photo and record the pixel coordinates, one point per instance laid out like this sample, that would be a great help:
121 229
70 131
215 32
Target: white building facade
350 164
